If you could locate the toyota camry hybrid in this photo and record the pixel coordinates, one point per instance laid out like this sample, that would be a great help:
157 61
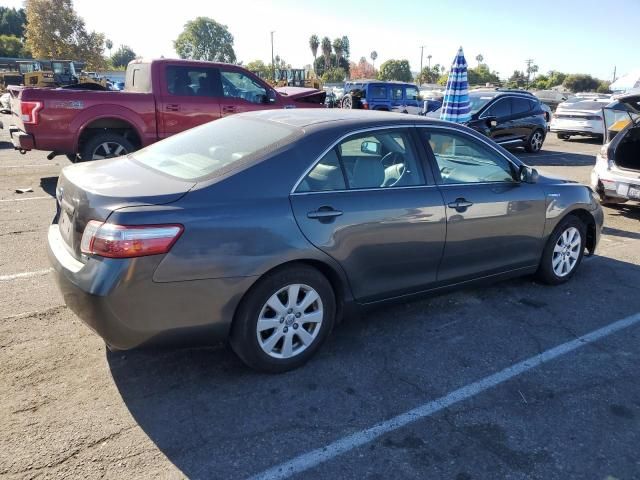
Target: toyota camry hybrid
267 228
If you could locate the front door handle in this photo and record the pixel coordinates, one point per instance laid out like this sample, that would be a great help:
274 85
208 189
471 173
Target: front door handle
172 107
324 213
461 204
229 109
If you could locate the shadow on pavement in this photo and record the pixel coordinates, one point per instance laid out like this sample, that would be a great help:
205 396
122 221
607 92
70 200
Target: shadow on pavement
48 184
629 210
214 418
558 159
4 145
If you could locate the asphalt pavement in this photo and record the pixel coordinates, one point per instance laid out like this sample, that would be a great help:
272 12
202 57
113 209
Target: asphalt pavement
513 381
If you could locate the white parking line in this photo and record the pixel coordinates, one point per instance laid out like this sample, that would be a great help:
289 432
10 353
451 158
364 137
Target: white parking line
27 198
15 276
31 165
313 458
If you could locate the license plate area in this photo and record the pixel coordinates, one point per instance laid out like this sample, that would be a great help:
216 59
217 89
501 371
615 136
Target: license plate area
634 192
66 226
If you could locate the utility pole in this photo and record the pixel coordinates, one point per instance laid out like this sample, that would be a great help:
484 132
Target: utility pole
528 62
614 74
421 57
273 64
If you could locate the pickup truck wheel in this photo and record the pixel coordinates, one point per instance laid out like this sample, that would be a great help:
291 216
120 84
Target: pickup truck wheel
105 145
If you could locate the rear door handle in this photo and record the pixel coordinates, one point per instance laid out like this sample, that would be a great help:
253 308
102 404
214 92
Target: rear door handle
460 204
172 107
324 213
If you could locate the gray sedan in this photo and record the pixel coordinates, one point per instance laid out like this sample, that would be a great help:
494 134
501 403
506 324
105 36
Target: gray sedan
268 228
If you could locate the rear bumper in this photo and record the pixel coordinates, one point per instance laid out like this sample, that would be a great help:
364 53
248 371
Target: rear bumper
119 301
575 131
21 140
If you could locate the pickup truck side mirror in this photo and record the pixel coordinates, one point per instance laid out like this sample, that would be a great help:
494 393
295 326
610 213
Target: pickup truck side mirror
528 174
271 96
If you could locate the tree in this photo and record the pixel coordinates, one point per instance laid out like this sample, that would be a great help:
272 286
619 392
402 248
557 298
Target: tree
555 78
10 46
334 75
314 43
320 68
326 51
479 59
346 47
482 75
54 30
338 49
123 56
531 68
12 21
373 56
395 70
362 69
260 68
517 80
603 87
580 83
429 74
109 44
205 39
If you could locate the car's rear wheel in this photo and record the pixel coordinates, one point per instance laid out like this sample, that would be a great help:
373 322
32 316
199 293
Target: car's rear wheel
535 142
564 251
105 145
563 136
347 102
284 319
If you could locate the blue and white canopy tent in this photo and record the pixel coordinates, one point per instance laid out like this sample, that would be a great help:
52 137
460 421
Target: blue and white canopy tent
455 105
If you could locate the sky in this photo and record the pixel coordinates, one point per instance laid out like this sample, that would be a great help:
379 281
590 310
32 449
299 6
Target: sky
575 36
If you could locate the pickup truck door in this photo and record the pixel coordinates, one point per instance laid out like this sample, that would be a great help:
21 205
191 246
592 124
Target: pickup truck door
190 97
242 92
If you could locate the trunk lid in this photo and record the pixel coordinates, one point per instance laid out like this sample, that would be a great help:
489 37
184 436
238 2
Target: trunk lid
93 190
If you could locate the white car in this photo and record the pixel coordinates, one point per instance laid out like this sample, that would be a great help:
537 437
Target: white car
616 175
582 118
5 103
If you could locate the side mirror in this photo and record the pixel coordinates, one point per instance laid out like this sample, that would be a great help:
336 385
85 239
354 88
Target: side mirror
528 174
271 96
492 122
371 148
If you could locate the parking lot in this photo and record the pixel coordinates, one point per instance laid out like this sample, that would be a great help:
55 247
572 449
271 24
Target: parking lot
73 409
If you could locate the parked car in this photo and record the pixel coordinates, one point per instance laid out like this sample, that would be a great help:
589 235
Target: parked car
160 98
512 118
268 227
616 175
583 118
379 95
5 103
552 98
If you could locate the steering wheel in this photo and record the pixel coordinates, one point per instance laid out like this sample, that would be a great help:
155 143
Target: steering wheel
395 171
392 158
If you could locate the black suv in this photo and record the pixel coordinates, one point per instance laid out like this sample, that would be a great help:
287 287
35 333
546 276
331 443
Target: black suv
512 118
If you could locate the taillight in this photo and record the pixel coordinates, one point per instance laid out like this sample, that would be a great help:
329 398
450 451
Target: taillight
29 112
365 104
125 241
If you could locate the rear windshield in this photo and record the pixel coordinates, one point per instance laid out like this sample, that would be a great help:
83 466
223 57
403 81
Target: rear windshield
588 105
215 148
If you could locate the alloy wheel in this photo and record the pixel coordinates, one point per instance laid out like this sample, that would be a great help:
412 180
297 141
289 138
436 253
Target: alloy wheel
346 102
566 252
536 141
109 150
289 321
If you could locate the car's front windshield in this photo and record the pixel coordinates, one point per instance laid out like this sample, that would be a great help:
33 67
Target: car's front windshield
215 148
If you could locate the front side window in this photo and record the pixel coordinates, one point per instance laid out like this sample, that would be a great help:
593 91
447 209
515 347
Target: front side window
462 159
380 159
192 81
239 85
412 93
396 93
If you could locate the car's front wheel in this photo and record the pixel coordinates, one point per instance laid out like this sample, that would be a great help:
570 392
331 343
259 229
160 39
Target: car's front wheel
535 141
284 319
563 252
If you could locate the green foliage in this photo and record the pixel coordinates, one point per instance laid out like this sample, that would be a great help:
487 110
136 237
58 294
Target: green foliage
429 75
482 75
260 68
123 56
314 43
603 87
325 46
581 82
334 75
338 48
320 68
517 80
12 21
395 70
10 46
346 47
205 39
109 44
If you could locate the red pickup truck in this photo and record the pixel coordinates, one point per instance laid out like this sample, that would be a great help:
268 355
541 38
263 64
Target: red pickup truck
160 98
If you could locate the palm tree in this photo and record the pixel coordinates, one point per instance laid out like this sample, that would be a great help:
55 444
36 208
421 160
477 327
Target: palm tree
479 58
338 47
374 55
109 44
326 51
429 58
314 43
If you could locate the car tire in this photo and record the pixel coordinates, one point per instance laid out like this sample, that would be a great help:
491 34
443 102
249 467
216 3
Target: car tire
535 141
563 136
562 256
105 145
269 331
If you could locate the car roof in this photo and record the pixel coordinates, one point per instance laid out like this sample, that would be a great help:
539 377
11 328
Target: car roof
319 118
383 82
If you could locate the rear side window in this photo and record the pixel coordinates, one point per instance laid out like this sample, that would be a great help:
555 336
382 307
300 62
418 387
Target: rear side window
378 91
520 105
138 78
396 93
215 148
192 81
